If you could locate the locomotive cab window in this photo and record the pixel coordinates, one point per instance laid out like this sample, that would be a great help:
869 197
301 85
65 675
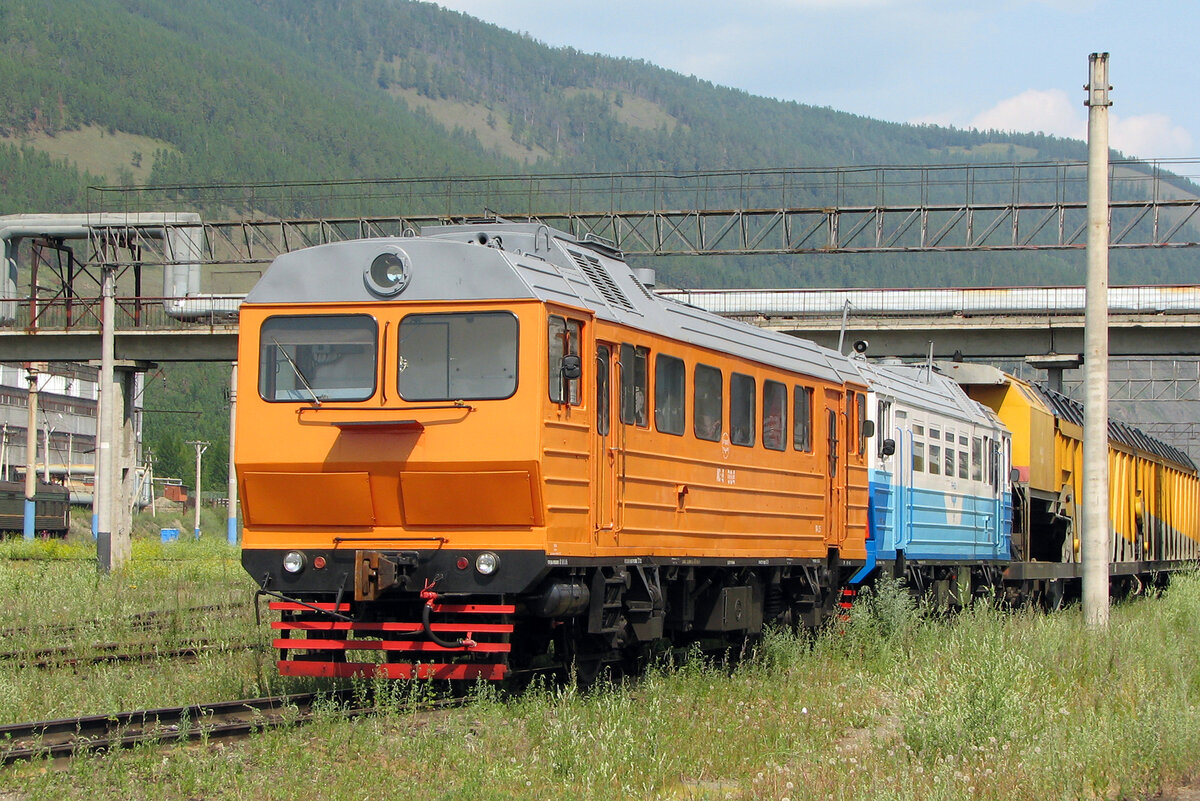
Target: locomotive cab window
317 358
741 409
459 356
563 342
708 403
669 379
634 385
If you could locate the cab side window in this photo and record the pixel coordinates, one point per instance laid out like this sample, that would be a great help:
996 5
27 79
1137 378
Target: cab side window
563 341
634 385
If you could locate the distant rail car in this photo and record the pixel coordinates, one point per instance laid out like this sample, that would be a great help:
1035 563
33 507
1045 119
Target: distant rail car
492 447
1154 493
51 508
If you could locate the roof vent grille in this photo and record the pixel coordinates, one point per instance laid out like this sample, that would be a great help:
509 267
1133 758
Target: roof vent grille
601 280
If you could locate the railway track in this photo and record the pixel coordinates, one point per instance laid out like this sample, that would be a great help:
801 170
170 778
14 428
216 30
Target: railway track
67 656
142 621
59 740
139 650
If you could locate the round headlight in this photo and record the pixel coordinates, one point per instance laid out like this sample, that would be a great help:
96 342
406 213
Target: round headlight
389 273
487 563
293 561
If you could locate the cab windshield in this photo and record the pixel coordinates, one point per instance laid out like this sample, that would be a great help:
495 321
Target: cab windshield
460 356
317 358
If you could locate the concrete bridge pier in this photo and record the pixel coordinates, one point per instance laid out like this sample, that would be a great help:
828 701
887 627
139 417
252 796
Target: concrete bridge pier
1054 364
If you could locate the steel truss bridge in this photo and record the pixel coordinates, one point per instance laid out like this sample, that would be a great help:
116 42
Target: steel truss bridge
1031 206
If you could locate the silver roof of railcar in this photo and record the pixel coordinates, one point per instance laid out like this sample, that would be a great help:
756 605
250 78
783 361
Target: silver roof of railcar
528 260
920 386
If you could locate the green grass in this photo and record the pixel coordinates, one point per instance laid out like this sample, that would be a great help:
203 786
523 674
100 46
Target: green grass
890 705
52 583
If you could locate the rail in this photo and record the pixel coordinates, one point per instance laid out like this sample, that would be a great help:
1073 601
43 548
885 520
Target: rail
69 737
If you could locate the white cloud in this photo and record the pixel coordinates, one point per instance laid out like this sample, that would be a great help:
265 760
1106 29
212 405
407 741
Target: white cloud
1043 111
1056 113
1150 136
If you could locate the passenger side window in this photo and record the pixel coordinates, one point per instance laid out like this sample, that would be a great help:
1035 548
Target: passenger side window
802 418
633 385
962 456
741 409
708 403
918 458
935 451
669 379
774 415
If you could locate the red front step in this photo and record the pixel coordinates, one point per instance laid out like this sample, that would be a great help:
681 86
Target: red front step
392 670
310 644
317 645
341 625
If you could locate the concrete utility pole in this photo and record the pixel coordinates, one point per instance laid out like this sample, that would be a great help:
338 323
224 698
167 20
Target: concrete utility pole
201 447
110 554
1096 538
31 451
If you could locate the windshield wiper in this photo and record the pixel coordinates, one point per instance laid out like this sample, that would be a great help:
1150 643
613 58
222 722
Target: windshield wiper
296 370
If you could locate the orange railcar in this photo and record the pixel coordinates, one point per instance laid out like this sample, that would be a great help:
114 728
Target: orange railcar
491 447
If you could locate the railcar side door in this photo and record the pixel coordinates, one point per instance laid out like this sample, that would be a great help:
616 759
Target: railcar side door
835 472
604 447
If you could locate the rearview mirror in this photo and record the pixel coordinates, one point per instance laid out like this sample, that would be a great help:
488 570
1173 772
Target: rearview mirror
571 367
888 447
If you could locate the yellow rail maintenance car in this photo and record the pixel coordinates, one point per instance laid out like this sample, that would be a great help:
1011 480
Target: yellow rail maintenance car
1154 493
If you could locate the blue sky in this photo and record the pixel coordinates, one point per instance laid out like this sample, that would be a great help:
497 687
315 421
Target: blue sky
1006 64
